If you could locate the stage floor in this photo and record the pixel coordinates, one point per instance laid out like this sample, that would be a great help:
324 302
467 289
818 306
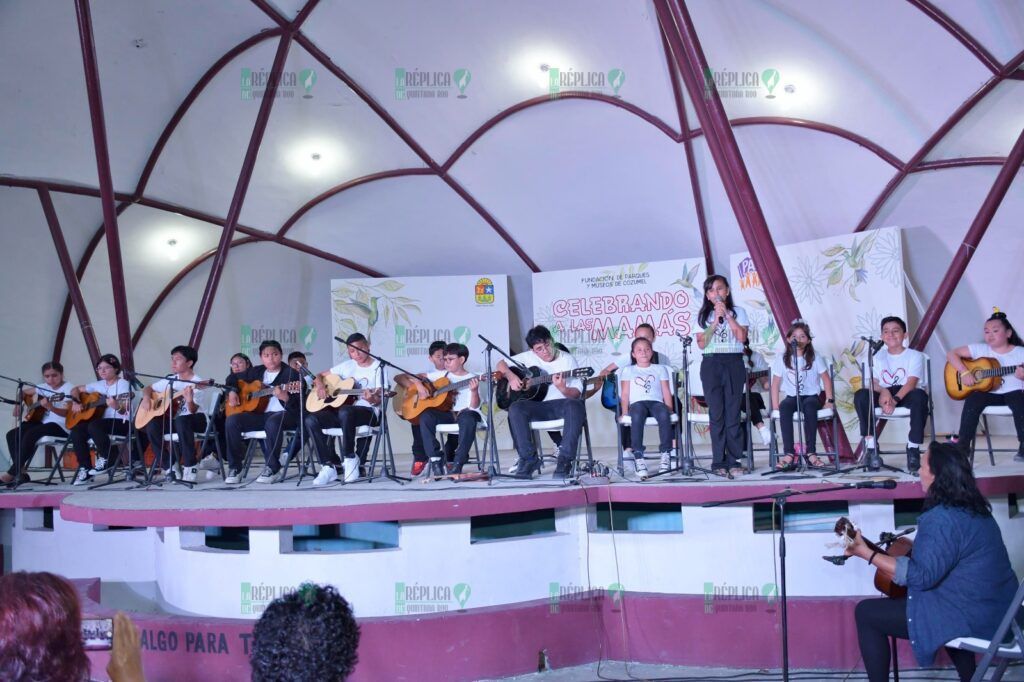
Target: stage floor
291 502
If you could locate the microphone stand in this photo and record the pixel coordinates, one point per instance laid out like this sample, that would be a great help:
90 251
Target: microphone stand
492 463
685 463
780 498
304 462
873 423
388 465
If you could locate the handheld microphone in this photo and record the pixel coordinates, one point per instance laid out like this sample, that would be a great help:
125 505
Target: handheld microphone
887 484
721 320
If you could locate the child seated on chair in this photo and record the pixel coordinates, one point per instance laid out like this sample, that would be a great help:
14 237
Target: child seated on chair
756 365
799 367
645 392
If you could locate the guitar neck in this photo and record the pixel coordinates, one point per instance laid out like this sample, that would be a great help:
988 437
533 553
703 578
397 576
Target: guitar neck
548 378
997 372
459 385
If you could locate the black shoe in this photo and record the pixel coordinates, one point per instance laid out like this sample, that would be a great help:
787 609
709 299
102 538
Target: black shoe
1019 457
527 467
563 467
913 460
437 467
874 462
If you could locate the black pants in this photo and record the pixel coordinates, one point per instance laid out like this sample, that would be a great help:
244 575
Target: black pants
809 405
522 412
467 421
31 433
877 620
638 414
916 401
100 430
347 418
185 427
757 407
723 377
976 402
274 423
419 453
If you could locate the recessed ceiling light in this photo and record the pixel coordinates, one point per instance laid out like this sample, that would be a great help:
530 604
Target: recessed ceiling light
315 156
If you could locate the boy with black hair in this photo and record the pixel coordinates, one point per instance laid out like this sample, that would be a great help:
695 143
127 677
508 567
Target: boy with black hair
349 417
465 409
898 375
562 401
281 413
189 419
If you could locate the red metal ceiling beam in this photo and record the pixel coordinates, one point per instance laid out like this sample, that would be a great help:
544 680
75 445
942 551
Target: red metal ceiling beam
241 187
691 161
170 286
960 33
99 136
962 162
963 255
74 291
191 97
338 189
936 137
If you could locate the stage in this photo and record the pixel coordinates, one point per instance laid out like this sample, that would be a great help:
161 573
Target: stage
444 575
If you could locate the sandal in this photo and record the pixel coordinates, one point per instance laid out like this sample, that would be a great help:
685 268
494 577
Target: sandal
815 461
724 473
785 463
736 471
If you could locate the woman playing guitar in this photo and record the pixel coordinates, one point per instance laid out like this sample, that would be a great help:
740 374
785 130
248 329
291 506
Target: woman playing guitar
959 580
44 417
107 400
1003 344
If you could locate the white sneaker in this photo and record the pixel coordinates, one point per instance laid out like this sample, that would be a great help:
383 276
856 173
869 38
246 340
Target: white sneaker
666 462
268 475
351 467
101 466
641 468
234 476
189 474
209 463
328 474
514 469
176 472
766 435
81 477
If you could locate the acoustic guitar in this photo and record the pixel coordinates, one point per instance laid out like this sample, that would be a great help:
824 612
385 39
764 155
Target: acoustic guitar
535 384
93 406
161 404
34 412
409 405
988 376
339 392
890 545
253 396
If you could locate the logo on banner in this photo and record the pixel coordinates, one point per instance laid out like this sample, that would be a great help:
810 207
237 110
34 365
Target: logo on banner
289 338
747 273
484 291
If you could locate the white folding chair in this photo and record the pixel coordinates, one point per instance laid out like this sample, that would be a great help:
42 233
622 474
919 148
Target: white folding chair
453 429
1007 643
991 411
537 428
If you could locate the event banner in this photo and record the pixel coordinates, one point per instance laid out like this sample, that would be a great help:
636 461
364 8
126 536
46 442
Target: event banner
844 286
402 316
593 311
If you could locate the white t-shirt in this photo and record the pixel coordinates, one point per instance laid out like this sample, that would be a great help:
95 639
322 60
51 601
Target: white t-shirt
198 396
1014 357
268 378
365 377
645 382
723 340
119 387
44 391
810 378
464 396
896 370
563 362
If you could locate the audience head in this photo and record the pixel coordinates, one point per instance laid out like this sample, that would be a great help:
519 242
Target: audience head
948 480
40 629
309 634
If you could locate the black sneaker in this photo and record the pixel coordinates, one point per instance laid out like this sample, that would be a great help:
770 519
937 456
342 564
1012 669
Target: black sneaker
913 460
527 467
437 467
563 467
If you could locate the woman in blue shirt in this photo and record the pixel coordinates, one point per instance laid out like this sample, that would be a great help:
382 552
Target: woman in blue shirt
958 578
